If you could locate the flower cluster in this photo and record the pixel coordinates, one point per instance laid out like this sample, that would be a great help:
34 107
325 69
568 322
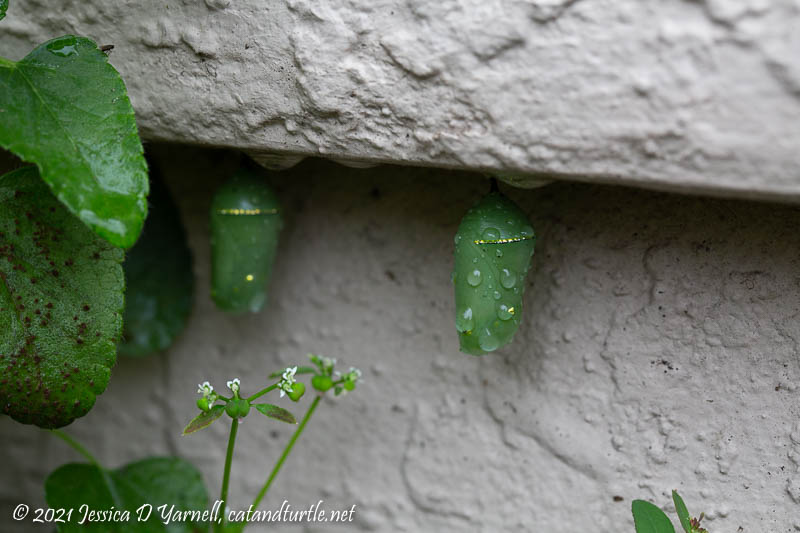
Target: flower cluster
287 380
348 381
695 523
353 375
325 364
209 396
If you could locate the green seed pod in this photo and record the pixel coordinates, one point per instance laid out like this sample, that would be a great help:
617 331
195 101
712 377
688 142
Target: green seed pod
322 383
237 408
349 385
298 389
245 223
493 251
202 404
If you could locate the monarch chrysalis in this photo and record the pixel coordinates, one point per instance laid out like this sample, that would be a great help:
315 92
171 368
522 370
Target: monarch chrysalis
493 250
245 223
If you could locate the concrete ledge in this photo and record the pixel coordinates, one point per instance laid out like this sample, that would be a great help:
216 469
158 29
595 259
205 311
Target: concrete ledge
697 96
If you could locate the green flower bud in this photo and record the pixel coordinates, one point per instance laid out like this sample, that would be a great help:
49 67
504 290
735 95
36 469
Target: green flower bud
298 389
349 385
202 404
322 383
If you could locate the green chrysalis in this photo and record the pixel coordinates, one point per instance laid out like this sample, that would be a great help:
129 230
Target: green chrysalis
493 251
245 223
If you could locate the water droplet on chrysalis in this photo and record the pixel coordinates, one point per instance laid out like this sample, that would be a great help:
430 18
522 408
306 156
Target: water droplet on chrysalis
474 278
504 312
488 340
464 320
507 278
490 234
496 295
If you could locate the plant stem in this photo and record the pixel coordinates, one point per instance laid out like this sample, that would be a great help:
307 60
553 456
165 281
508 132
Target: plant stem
226 476
285 454
78 447
262 392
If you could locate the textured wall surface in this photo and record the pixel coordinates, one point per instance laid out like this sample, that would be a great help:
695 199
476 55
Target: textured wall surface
658 350
673 94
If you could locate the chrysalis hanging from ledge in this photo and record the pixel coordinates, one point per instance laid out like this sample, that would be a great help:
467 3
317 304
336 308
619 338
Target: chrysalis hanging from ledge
493 251
245 224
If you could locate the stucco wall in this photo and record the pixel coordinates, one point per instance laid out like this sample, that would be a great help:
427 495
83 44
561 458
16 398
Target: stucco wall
658 350
676 94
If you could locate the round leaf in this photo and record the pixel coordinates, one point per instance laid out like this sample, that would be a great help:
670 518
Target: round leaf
650 519
159 279
66 109
156 481
61 299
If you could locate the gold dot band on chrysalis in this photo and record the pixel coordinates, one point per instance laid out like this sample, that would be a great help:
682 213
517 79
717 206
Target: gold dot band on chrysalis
503 241
247 211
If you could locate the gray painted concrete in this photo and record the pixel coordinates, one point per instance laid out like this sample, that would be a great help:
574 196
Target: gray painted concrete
671 94
658 350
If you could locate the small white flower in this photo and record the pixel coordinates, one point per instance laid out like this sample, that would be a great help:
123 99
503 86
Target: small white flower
353 375
287 380
205 388
233 385
326 363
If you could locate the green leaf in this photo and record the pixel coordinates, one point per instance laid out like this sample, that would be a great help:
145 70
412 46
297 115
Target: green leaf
61 300
650 519
155 481
300 370
159 279
204 419
278 413
3 8
65 108
683 512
